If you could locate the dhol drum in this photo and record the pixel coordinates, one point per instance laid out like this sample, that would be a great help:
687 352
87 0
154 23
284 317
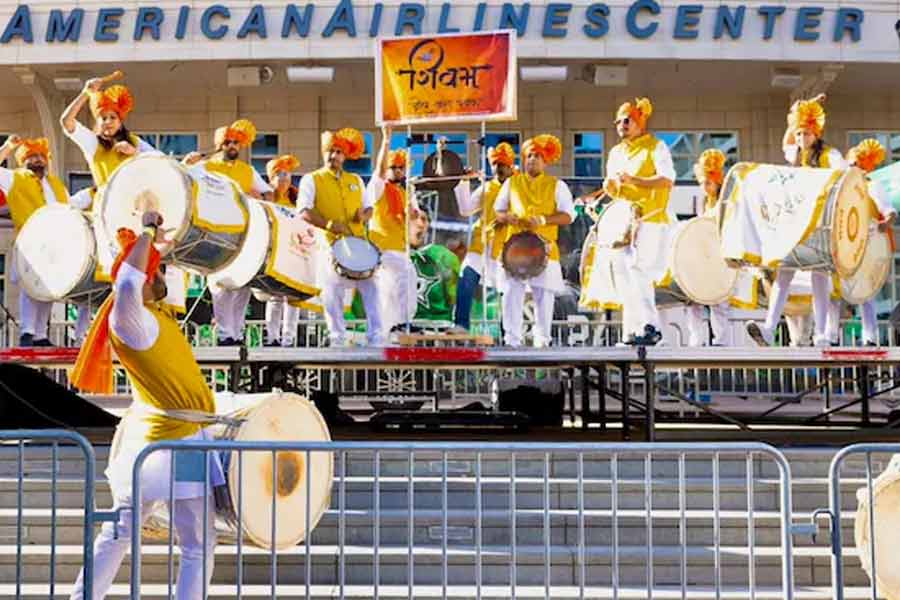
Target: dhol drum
696 262
55 256
813 219
278 257
207 212
872 273
297 485
355 258
616 224
886 495
525 255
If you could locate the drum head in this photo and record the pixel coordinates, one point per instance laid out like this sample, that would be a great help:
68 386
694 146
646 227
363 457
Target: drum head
355 254
147 183
614 222
249 261
697 263
282 418
850 223
525 255
872 272
886 492
54 252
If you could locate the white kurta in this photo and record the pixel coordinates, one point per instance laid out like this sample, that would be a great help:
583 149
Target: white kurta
482 263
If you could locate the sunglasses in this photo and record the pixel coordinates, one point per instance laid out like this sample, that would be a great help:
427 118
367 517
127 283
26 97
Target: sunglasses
623 121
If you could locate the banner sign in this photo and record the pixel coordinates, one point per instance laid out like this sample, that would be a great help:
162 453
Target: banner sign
445 78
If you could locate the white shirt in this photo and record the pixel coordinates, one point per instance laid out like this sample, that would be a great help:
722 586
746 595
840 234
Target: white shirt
6 182
82 199
564 201
375 190
306 194
618 162
129 319
259 184
879 195
87 141
835 158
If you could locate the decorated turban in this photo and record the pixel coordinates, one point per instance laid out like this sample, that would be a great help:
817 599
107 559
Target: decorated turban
29 148
347 140
285 162
638 111
867 155
711 166
94 369
807 115
502 154
397 158
115 98
548 146
241 131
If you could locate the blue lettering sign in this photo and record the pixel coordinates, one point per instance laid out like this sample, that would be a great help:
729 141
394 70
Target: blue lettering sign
770 14
375 25
510 19
60 29
216 10
808 19
294 20
444 22
557 14
410 15
341 18
687 18
107 24
254 23
480 11
732 22
181 29
848 20
148 18
597 18
631 19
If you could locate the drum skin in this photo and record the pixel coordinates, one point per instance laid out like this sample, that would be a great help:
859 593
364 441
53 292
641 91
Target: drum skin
886 492
697 264
525 255
355 258
873 272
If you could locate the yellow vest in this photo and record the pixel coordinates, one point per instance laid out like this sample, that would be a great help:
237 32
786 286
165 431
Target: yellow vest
488 215
106 161
166 376
385 231
284 199
655 201
238 171
534 197
711 202
27 195
338 199
824 158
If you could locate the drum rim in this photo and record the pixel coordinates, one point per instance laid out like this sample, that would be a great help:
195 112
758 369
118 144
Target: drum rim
615 202
221 272
838 191
357 274
679 235
861 520
883 239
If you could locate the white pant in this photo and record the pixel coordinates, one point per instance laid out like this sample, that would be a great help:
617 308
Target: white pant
83 323
34 316
396 289
334 288
800 329
638 294
869 323
114 541
281 321
514 302
230 311
821 287
719 316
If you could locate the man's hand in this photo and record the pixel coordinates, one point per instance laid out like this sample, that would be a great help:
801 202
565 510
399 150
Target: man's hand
507 219
532 222
340 229
626 179
360 216
125 148
93 85
13 141
386 131
191 158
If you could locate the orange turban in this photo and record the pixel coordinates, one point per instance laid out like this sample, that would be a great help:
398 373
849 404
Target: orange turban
93 370
807 115
867 155
548 146
285 162
241 131
30 148
711 166
638 111
116 98
502 154
347 140
397 158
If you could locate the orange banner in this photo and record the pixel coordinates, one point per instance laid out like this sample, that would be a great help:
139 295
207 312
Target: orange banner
446 78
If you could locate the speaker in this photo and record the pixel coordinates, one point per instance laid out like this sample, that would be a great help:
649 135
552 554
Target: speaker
543 408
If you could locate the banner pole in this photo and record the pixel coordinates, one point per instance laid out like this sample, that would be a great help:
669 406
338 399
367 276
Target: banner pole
485 250
410 195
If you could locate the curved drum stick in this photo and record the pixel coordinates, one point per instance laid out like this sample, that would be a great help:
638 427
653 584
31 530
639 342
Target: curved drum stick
114 76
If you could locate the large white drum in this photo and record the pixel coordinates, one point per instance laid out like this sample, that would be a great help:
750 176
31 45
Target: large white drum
55 256
696 262
278 257
872 273
207 212
256 478
886 494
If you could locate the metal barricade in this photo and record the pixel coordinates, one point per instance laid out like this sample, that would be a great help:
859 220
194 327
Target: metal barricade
448 520
34 504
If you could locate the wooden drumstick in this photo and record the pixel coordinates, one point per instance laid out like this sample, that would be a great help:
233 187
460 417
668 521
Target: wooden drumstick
114 76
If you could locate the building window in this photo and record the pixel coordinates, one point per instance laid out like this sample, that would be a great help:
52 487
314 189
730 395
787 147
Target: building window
418 152
686 147
588 154
492 140
263 149
363 165
176 145
79 180
889 139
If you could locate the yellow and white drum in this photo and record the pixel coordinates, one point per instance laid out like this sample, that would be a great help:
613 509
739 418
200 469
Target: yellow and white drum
207 213
55 256
872 273
696 262
886 495
278 257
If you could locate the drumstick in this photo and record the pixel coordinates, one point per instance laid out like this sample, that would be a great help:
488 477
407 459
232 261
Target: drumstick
114 76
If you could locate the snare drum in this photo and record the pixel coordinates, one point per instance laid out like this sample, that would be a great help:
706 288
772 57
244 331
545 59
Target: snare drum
278 257
208 214
525 255
872 273
355 258
697 265
55 256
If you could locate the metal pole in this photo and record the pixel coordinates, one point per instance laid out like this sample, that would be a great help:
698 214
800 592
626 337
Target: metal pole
485 250
410 194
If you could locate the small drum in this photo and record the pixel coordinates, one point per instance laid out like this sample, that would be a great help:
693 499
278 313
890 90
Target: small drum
872 273
208 214
277 417
355 258
278 257
697 265
525 255
616 224
55 256
886 495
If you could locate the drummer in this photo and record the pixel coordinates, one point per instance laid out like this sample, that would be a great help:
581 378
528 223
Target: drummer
476 265
230 306
803 146
867 155
334 201
27 189
110 144
281 315
540 203
165 377
640 170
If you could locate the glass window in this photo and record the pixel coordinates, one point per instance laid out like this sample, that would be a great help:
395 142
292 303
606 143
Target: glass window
176 145
263 149
424 144
363 165
889 139
79 181
491 140
686 147
588 154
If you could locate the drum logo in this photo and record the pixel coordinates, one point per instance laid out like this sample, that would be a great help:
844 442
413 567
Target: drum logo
303 241
853 224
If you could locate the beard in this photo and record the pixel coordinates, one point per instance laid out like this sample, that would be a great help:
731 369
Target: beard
232 153
38 170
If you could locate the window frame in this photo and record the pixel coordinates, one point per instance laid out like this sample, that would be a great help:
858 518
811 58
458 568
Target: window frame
251 157
689 180
602 154
157 134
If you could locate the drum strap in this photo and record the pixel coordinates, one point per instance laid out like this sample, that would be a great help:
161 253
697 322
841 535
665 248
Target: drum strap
198 416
